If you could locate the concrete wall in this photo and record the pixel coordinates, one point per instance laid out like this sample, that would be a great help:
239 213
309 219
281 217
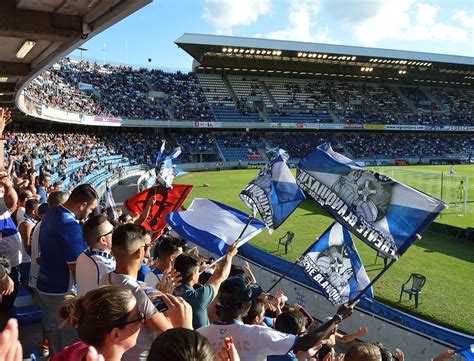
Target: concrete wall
416 346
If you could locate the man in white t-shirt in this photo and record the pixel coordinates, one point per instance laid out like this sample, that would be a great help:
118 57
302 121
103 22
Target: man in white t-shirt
96 260
129 249
168 249
253 342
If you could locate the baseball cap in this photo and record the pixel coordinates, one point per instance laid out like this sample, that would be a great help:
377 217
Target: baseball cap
236 290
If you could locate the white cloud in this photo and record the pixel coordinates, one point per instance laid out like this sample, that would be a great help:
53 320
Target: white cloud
406 20
464 18
227 14
302 25
426 14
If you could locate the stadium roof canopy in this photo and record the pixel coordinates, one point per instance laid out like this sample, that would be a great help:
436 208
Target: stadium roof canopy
36 33
264 57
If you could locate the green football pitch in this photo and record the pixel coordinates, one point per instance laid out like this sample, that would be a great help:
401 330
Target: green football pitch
436 181
447 263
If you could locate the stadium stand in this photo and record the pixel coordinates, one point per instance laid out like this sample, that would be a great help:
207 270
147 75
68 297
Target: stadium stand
121 91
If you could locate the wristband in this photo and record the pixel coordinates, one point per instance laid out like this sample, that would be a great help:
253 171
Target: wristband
4 139
337 318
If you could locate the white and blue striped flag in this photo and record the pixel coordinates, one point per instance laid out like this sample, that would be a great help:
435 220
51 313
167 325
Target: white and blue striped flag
467 352
110 206
213 225
273 192
333 265
385 214
167 173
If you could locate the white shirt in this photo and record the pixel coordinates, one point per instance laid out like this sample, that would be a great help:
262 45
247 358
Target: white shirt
91 266
10 240
146 336
34 269
25 256
253 343
20 215
153 279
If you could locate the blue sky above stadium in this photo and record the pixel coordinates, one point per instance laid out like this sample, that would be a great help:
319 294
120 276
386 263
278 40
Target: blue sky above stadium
430 26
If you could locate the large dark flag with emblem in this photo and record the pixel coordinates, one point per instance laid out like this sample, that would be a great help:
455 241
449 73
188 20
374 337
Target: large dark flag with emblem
333 265
273 192
385 214
167 200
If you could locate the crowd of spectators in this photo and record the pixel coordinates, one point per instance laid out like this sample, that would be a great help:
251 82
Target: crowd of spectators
376 145
135 297
122 91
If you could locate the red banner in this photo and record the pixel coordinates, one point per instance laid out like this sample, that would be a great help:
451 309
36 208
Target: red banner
167 200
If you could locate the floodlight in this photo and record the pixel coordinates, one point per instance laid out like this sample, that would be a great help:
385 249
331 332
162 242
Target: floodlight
304 55
252 51
353 58
224 50
279 52
362 69
241 50
325 56
236 50
25 49
299 54
247 51
319 56
258 52
3 79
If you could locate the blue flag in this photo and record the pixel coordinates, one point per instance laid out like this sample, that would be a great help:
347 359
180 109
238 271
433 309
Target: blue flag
273 192
467 352
213 225
385 214
334 266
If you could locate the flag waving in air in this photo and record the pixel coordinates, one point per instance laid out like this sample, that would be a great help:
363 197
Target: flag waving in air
273 192
160 156
334 266
110 205
165 172
385 214
213 225
167 200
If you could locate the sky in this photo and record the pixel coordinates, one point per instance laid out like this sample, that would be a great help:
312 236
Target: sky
445 27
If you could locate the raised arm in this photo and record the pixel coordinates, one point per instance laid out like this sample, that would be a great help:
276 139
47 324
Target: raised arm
222 272
146 211
313 337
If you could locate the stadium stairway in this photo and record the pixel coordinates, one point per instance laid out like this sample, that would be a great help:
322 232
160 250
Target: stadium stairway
231 90
403 97
269 94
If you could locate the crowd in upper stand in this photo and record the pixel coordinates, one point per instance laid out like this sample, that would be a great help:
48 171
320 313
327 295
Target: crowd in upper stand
122 91
108 287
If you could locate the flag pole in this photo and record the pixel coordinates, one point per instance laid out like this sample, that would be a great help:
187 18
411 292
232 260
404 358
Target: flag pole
296 262
361 293
283 275
236 241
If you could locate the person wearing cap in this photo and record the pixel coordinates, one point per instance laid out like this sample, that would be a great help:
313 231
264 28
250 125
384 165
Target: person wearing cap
96 260
200 298
254 342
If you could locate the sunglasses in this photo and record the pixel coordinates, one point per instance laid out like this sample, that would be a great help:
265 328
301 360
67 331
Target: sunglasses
121 323
104 235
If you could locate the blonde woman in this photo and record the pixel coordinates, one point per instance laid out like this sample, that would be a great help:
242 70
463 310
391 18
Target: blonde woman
107 318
